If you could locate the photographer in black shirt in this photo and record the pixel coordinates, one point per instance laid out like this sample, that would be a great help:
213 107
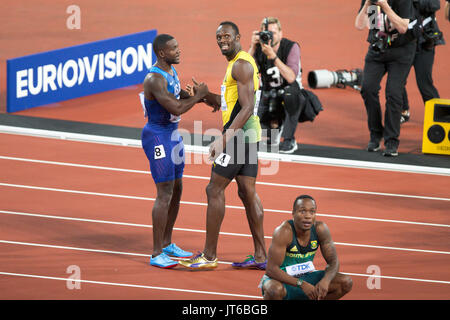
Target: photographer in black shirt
391 51
278 60
428 36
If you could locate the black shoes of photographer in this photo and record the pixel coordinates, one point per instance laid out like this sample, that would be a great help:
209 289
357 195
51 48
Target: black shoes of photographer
373 146
390 150
288 146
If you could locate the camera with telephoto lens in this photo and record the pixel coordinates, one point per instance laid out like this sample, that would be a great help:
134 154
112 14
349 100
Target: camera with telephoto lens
340 79
266 36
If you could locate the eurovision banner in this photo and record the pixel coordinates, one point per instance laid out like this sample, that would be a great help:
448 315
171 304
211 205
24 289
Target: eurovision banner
78 71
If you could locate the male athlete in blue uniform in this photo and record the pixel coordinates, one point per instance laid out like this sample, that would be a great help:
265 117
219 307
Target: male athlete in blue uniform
164 102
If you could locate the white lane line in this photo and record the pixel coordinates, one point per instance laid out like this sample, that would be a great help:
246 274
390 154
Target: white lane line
281 185
389 248
228 233
9 185
394 278
70 164
32 244
204 150
221 262
130 285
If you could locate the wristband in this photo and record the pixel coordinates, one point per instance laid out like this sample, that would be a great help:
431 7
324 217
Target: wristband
273 60
299 282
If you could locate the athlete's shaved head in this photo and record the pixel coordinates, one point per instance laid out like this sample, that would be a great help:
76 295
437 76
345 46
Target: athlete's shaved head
160 41
232 25
303 196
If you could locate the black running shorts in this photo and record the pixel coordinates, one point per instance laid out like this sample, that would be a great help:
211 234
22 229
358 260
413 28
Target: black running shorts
238 159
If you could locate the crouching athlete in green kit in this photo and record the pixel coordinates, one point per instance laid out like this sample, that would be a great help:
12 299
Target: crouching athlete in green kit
290 272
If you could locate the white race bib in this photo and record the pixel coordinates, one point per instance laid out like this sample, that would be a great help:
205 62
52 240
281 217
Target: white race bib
257 98
223 102
159 152
301 268
174 118
142 99
223 159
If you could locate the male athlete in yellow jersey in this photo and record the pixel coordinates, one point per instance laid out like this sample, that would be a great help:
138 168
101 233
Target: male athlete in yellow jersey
235 152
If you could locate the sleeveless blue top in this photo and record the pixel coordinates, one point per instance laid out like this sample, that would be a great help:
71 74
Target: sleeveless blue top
158 116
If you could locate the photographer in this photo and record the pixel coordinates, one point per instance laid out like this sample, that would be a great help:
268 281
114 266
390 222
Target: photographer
278 60
428 36
391 51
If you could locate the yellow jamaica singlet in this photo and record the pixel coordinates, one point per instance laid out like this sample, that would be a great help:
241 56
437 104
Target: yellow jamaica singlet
230 104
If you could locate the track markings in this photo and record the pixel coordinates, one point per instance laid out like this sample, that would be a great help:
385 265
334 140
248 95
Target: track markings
281 185
221 262
130 285
222 233
89 193
349 164
135 143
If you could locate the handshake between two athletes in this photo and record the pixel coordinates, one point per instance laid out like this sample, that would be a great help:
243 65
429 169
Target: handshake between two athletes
164 101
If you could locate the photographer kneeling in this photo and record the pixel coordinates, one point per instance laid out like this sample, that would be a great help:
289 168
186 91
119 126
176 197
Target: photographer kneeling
278 60
391 51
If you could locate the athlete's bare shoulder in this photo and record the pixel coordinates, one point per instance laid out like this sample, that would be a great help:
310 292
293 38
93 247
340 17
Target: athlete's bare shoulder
320 226
283 232
154 83
242 69
323 232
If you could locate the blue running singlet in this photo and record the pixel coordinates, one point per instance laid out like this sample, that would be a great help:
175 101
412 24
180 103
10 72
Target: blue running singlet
161 140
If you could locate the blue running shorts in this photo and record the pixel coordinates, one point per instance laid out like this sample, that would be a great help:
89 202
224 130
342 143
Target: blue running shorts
165 152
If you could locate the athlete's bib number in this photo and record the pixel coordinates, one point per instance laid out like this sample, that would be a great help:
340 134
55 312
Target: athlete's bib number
301 268
159 152
223 160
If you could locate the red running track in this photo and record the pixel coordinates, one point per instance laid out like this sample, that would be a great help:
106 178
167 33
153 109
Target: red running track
57 210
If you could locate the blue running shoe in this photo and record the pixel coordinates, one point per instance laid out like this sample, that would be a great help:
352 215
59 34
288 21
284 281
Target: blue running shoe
162 261
174 251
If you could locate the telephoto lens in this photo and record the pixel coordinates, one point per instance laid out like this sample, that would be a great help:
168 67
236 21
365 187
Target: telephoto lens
341 78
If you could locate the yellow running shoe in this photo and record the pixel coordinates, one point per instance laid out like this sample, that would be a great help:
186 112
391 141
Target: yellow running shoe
199 262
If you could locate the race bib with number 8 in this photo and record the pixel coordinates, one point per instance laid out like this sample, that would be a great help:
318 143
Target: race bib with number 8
159 152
